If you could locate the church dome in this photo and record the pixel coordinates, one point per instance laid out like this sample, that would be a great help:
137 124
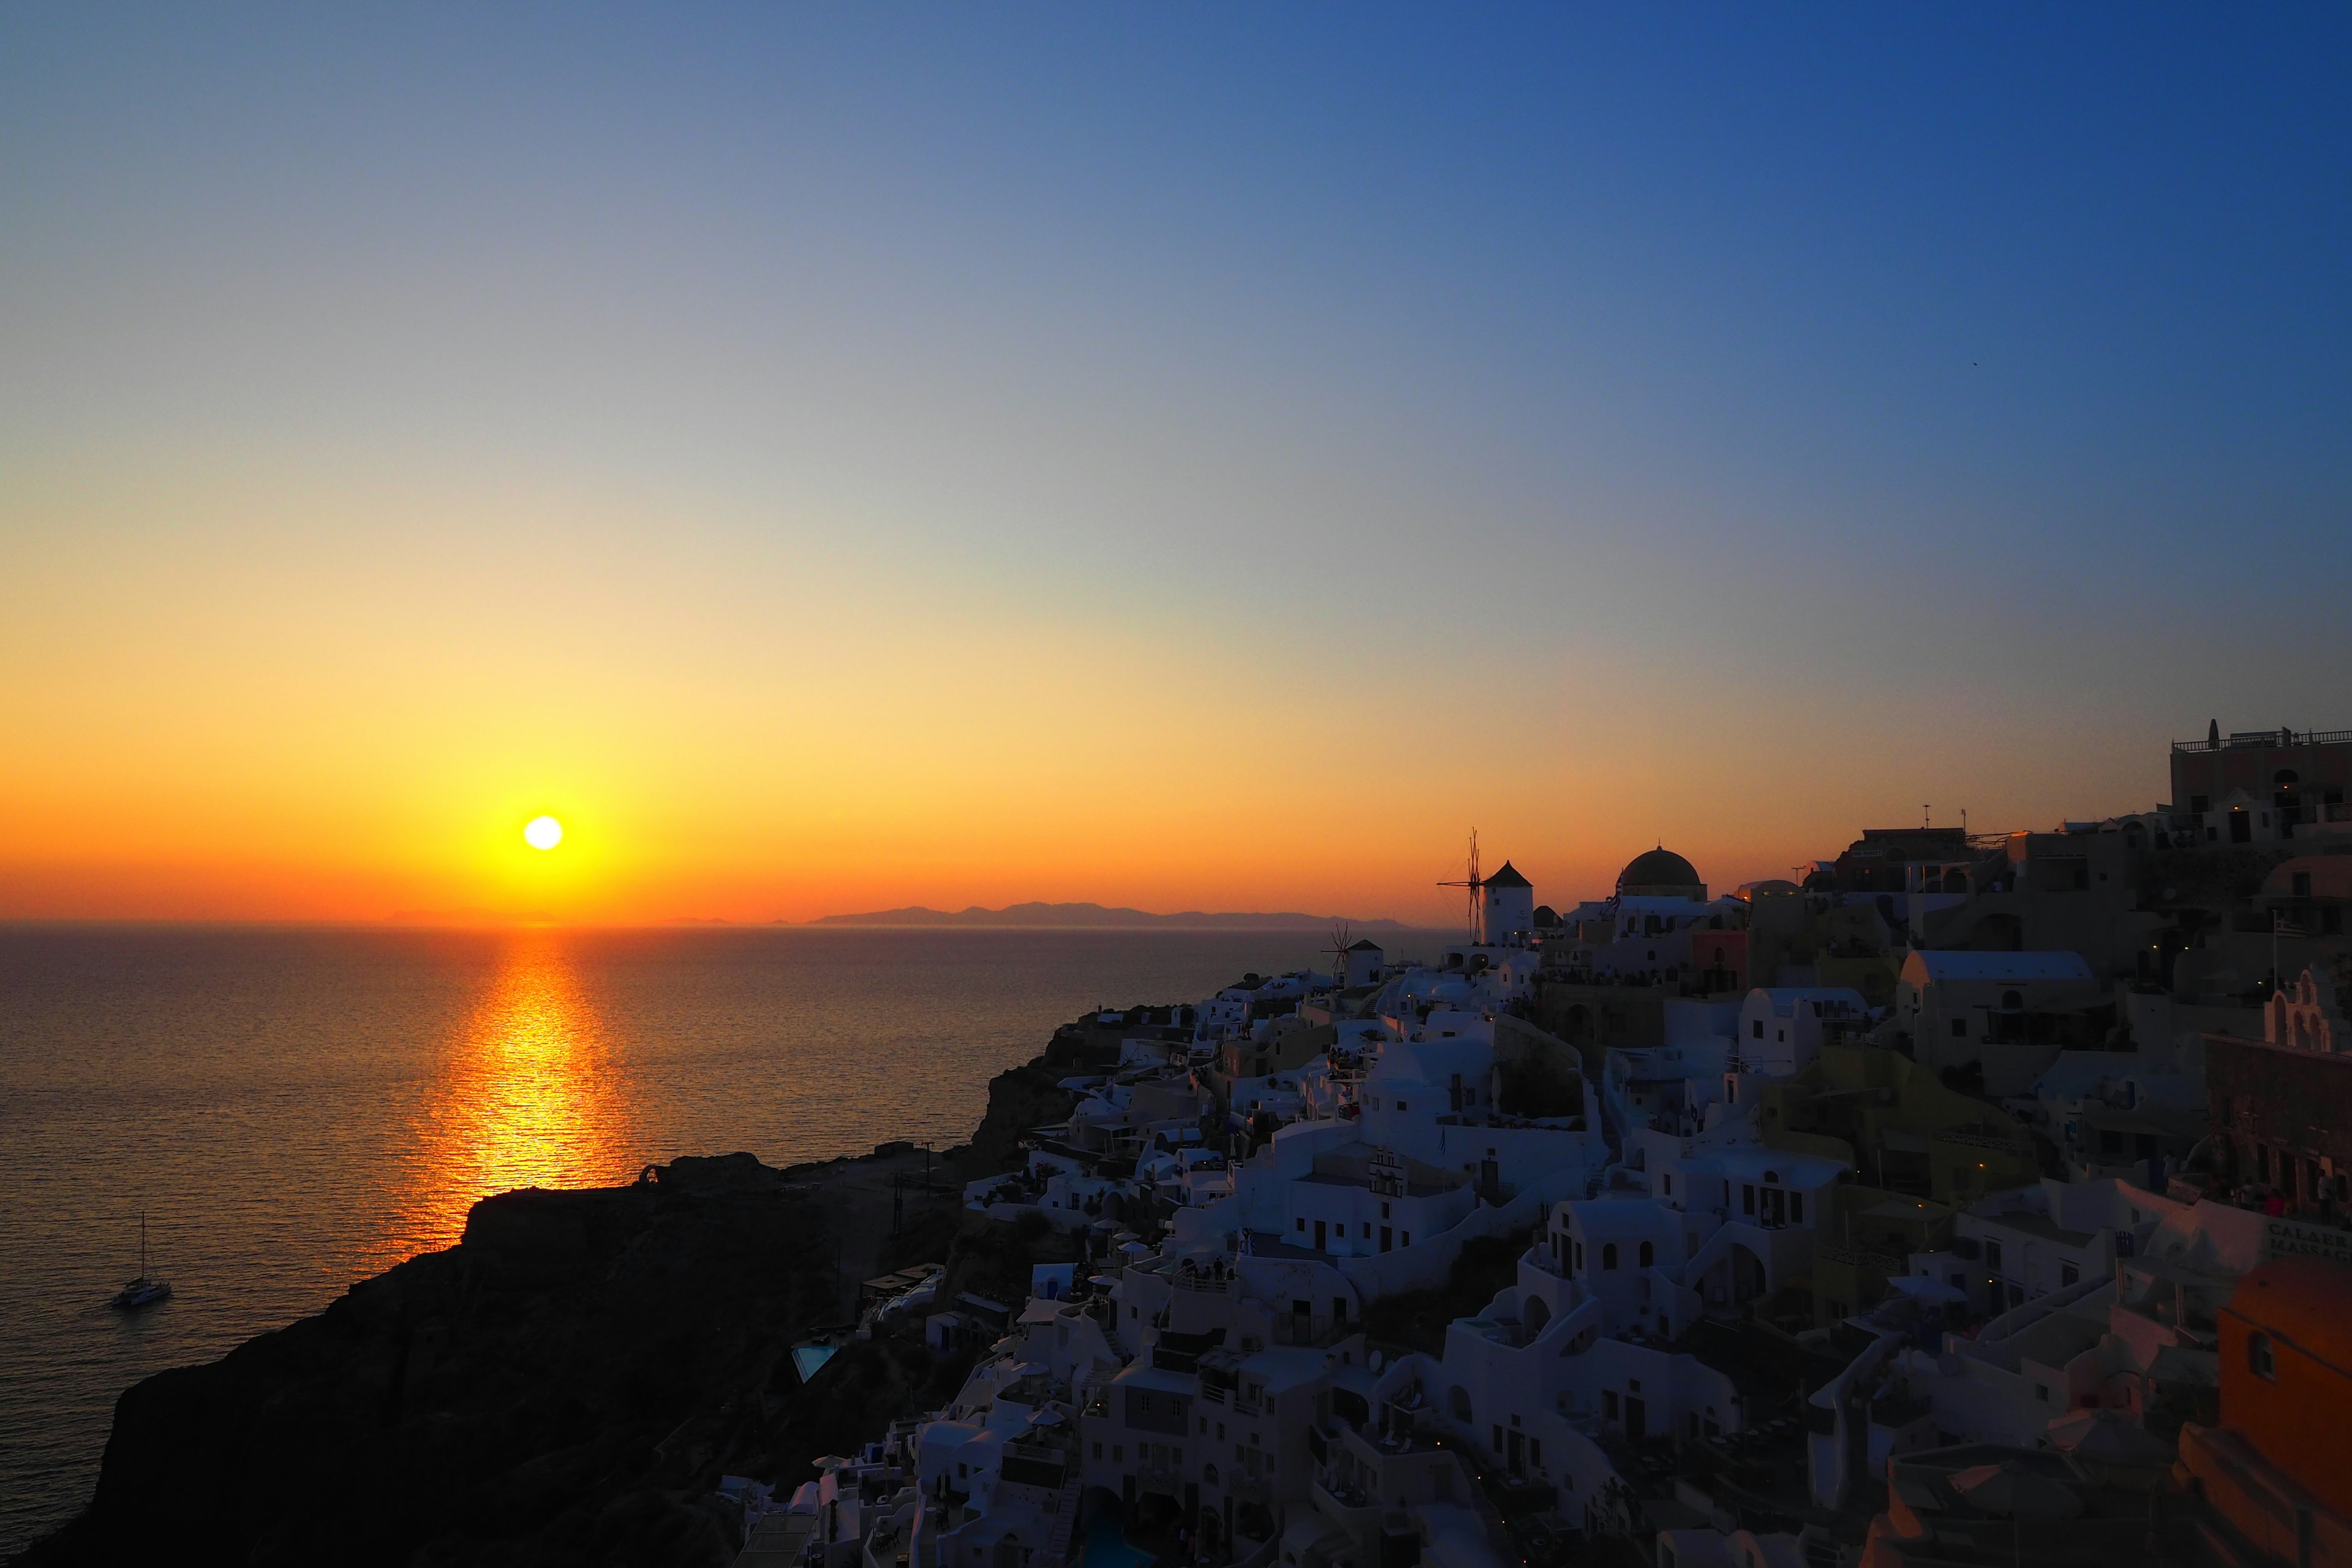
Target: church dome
1660 872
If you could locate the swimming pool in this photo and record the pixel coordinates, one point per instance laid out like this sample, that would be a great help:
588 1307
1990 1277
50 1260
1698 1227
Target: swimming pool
1106 1544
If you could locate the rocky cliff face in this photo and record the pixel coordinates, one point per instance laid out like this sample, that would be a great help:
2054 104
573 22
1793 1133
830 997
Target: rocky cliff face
548 1390
565 1386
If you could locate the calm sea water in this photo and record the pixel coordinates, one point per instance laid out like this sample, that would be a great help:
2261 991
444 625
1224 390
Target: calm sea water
295 1109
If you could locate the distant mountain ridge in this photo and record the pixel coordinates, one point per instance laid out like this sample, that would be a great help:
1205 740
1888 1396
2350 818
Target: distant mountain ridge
1084 915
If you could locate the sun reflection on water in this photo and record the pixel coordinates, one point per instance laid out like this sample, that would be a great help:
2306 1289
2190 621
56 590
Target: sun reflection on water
532 1095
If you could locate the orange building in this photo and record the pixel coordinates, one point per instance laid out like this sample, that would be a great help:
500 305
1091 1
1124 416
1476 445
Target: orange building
2276 1467
1720 958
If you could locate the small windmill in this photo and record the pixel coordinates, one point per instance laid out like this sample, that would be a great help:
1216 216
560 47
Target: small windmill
1339 951
1477 914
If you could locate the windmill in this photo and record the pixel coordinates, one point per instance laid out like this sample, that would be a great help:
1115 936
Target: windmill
1477 913
1339 951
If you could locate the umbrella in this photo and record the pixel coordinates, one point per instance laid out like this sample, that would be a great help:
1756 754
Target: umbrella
2016 1494
1922 1288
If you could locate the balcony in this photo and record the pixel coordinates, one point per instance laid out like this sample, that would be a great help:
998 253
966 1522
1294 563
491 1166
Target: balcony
2267 738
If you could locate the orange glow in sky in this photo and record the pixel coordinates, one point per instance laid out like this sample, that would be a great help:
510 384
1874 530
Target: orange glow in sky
1154 459
350 715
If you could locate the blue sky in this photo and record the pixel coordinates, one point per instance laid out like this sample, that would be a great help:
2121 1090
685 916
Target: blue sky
1658 400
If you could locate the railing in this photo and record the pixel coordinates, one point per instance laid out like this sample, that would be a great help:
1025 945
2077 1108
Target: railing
1347 1499
2281 737
1886 1263
1982 1141
1043 1452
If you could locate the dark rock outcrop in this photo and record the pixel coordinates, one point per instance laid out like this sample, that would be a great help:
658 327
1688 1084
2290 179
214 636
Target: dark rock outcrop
557 1388
565 1386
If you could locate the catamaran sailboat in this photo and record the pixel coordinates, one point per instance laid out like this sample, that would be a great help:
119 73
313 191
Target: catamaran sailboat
142 1291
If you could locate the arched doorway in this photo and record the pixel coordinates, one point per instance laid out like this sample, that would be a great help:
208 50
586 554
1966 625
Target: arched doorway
1749 1277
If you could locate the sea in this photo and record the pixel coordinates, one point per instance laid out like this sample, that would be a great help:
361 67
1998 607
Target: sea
291 1109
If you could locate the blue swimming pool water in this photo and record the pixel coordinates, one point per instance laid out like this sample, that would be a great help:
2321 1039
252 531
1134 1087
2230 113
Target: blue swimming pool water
1107 1543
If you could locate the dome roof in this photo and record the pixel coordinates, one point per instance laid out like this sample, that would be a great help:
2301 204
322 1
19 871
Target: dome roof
1660 867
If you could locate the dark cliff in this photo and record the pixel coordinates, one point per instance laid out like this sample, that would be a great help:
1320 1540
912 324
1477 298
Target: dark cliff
564 1386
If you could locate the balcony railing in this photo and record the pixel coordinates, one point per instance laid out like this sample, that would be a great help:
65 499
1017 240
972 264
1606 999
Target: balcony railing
2267 738
1886 1263
1981 1141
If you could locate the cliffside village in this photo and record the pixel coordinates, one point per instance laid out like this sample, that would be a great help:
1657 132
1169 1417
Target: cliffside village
1960 1199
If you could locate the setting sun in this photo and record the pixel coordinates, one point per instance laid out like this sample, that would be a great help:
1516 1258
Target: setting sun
543 833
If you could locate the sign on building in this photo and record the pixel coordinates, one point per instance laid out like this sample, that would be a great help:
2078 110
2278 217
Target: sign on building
2292 1238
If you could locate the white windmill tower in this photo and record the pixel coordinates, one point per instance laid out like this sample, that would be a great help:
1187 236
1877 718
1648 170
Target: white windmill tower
1339 951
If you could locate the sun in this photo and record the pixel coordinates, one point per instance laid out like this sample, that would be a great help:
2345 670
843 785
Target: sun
543 833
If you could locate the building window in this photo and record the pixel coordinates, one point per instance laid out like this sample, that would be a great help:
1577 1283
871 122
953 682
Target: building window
1300 1223
2259 1360
1608 1403
1670 1184
1097 1450
1607 1255
1758 1028
1796 1207
2067 1275
1960 1028
1992 1256
2042 1391
1649 1255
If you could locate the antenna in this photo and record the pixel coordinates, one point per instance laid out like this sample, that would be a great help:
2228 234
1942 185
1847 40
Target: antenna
1926 820
1477 915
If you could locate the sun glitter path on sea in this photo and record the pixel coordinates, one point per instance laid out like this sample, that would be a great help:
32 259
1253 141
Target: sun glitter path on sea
534 1096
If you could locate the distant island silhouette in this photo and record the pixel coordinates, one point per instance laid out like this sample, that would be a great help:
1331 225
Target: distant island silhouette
1083 915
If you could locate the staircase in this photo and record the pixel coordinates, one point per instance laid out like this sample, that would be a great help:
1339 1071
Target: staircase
1065 1519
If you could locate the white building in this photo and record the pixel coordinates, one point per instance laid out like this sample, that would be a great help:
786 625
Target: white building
1782 1029
1989 1010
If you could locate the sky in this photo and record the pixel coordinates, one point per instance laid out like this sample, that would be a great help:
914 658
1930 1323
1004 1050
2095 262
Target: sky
1193 456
